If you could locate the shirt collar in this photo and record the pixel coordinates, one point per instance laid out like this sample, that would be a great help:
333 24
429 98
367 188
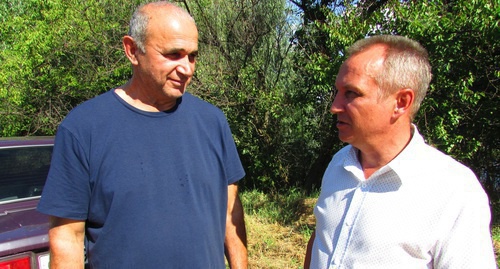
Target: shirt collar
399 164
351 163
406 159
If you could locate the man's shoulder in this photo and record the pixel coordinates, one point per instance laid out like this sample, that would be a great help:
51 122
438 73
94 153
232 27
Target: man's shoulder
200 106
422 153
438 164
434 156
96 108
194 99
93 104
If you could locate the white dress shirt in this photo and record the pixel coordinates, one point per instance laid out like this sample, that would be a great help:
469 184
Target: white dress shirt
422 210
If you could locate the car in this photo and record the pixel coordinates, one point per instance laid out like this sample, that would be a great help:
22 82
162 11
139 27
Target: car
24 165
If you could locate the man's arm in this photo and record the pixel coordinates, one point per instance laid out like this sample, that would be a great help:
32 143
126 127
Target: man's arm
235 244
467 243
66 243
307 260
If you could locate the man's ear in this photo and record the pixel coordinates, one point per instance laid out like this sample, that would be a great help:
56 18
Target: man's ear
130 49
404 102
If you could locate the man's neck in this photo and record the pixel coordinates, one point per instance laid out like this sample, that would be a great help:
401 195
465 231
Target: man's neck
138 99
374 158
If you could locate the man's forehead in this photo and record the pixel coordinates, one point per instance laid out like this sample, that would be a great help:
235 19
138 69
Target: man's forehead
369 61
167 15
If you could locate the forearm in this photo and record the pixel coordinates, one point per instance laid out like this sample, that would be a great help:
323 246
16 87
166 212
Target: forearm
235 243
66 245
236 251
307 260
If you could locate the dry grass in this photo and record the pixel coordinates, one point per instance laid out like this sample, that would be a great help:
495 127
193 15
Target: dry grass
277 245
496 242
275 242
274 246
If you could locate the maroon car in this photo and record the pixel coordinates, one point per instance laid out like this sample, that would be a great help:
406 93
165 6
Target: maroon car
24 164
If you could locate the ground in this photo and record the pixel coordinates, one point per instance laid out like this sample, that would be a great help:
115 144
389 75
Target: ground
274 245
281 244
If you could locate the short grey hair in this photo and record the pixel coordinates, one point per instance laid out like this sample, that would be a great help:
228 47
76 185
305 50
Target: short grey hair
140 19
406 65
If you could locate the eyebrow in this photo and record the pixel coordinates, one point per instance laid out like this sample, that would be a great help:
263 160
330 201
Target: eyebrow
176 50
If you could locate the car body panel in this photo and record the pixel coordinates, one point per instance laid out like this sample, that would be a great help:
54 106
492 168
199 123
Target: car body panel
22 228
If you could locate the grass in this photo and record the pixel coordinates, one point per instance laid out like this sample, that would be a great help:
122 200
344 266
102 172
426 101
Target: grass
279 226
496 241
495 231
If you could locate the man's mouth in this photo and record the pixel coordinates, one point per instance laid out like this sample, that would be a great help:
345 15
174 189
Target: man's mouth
177 82
341 123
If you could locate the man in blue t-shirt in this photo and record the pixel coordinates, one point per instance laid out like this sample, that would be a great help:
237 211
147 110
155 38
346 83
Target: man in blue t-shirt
144 175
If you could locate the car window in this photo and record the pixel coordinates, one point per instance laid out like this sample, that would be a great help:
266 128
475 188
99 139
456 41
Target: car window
23 171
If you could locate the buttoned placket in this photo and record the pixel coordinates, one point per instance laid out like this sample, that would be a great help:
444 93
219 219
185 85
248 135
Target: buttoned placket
348 228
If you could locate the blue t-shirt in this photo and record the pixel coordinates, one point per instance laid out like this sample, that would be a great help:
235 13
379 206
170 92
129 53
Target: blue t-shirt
151 186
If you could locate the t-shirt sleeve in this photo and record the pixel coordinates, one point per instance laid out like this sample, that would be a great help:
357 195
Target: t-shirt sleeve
233 167
66 193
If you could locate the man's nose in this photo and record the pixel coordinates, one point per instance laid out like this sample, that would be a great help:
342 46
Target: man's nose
336 105
186 66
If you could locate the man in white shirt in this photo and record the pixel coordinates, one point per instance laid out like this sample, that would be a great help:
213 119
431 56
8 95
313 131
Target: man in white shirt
389 200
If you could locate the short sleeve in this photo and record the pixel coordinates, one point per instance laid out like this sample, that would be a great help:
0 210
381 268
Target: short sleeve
66 193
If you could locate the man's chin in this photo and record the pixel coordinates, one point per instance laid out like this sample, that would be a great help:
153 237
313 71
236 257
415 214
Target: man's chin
345 138
174 92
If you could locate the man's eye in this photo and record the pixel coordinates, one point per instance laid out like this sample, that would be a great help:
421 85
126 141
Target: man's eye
192 57
351 94
173 55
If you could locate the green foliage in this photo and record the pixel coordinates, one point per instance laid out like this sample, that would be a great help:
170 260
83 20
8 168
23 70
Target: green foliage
245 69
56 54
277 207
322 40
495 233
459 115
271 67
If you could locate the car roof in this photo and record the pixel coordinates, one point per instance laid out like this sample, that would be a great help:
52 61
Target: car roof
26 141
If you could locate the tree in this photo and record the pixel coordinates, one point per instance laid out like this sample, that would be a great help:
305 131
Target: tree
329 27
60 53
272 76
56 54
244 68
459 114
